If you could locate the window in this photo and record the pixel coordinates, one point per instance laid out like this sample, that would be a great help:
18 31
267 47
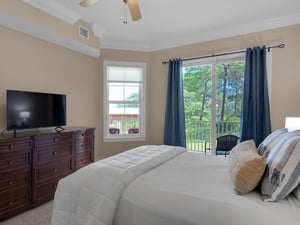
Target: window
124 101
213 97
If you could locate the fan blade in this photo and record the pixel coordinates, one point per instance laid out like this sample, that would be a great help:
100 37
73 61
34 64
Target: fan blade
134 9
86 3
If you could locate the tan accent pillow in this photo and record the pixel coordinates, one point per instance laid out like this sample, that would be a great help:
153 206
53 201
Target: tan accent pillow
246 167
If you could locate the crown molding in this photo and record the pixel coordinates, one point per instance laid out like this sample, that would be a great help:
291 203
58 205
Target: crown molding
17 24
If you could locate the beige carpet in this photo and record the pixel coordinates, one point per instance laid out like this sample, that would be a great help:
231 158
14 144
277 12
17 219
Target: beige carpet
38 216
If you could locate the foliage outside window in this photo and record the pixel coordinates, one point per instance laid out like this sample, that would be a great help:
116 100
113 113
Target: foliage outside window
124 101
202 89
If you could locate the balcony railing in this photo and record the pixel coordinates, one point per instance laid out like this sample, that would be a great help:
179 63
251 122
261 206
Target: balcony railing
198 132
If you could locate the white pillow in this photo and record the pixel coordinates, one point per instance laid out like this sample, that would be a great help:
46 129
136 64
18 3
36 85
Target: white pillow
283 169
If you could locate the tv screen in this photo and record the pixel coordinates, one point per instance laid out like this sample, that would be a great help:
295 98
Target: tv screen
26 110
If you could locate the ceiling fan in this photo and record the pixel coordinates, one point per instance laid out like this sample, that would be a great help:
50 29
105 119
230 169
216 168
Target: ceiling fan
132 5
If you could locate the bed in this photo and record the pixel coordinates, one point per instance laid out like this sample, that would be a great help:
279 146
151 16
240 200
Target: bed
163 185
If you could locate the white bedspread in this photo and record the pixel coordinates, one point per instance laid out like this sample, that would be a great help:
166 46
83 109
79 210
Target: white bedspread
195 189
90 195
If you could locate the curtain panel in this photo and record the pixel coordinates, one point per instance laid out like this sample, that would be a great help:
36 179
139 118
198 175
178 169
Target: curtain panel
255 118
174 130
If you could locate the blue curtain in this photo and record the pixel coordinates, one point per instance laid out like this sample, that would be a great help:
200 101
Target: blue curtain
174 133
255 121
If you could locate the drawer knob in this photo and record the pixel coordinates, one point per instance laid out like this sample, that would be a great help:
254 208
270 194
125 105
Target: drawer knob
54 153
82 160
54 186
54 170
11 203
11 147
10 162
10 183
55 139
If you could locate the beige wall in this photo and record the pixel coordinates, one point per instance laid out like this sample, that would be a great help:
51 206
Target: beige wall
28 63
285 91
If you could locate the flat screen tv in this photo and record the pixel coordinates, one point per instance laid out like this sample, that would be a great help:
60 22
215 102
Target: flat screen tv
27 110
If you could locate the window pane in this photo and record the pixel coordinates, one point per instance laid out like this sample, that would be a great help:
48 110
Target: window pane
131 92
116 92
123 116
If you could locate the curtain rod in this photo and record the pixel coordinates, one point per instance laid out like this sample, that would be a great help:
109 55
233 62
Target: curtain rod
226 53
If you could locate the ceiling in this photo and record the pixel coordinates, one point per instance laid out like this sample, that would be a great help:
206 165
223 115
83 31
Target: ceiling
170 23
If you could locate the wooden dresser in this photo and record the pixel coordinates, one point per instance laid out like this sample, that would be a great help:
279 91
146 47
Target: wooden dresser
32 163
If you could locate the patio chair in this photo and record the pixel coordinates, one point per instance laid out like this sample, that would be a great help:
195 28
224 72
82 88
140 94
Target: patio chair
224 144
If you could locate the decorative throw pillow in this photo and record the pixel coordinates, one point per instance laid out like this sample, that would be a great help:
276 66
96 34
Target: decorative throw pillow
283 169
271 140
246 167
296 192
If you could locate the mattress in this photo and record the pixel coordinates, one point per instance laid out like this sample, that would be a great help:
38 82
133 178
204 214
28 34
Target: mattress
195 189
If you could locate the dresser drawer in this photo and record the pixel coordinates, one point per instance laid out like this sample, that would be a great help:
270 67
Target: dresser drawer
82 160
12 180
52 171
84 133
53 139
45 191
82 146
13 202
16 160
15 146
52 153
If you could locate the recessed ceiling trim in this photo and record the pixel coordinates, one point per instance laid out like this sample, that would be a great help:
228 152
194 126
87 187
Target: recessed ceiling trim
17 24
209 35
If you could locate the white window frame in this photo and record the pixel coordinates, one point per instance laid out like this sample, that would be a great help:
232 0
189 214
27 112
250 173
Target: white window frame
141 136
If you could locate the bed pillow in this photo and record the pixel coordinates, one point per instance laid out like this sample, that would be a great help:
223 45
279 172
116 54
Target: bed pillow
271 141
296 192
283 168
246 167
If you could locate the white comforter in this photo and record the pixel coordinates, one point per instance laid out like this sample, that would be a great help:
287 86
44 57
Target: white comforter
90 195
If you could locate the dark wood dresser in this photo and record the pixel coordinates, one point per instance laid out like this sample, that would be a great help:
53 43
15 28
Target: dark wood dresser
32 163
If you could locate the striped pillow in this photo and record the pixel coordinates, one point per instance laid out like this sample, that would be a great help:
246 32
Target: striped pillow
283 169
296 192
271 141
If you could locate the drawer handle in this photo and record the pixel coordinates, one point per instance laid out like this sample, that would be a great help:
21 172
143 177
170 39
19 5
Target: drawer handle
11 147
10 162
11 203
54 153
54 170
55 139
82 146
82 134
54 186
82 160
10 183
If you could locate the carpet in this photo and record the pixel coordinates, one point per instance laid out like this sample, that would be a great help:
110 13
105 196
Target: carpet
37 216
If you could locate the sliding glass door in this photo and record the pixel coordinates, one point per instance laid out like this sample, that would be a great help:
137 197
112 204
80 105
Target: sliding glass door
213 94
